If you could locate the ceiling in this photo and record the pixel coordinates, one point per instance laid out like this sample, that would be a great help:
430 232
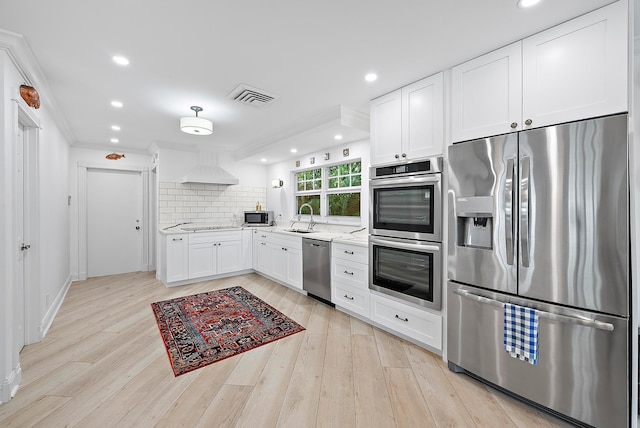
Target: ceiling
312 55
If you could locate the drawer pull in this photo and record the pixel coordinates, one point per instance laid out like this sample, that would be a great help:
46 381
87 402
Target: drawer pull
348 273
263 243
347 297
348 252
402 319
177 239
284 249
263 236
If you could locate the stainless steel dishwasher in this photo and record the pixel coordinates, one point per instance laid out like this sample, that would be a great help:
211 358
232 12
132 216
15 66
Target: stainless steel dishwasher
316 269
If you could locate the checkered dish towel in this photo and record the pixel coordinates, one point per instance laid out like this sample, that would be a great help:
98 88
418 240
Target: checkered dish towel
521 332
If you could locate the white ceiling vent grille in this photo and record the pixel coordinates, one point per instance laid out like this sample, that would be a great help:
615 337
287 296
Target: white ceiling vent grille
246 94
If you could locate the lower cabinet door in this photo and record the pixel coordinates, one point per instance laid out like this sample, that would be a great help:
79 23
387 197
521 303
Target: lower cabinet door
202 260
229 256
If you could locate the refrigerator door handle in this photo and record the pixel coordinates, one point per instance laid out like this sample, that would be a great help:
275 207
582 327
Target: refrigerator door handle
525 165
508 212
542 314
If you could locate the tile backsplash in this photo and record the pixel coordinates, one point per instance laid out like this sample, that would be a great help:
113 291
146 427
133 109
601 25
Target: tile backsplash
207 203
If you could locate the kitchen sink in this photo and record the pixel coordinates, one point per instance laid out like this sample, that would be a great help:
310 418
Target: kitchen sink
299 230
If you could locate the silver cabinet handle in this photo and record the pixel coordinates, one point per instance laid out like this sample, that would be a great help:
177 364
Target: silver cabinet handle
525 165
600 325
404 155
263 243
402 319
284 249
348 273
263 236
347 297
514 125
177 239
508 212
25 247
348 252
397 156
528 122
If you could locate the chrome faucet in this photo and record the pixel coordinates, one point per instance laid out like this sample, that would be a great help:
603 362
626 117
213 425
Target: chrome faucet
311 222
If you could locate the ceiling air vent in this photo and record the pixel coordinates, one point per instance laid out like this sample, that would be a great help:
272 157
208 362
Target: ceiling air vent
246 94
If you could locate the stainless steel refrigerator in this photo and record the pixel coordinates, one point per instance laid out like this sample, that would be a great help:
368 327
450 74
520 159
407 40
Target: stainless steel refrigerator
540 219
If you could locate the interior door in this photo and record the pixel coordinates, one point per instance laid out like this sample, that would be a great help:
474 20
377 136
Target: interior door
20 247
574 224
114 222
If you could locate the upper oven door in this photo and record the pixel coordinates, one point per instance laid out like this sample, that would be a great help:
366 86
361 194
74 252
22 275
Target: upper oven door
407 207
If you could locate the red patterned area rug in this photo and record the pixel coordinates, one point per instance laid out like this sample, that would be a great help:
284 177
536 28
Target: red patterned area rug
201 329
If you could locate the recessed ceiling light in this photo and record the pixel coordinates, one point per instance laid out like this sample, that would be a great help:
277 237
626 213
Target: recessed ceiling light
263 160
337 137
117 104
294 150
527 3
371 77
120 60
115 140
115 127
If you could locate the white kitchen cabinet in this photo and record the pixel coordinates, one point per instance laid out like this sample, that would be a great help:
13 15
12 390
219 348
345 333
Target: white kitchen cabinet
175 263
486 94
576 70
214 253
247 249
350 278
408 123
279 257
417 324
572 71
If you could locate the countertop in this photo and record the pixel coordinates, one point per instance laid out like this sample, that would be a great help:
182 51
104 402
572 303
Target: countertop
345 236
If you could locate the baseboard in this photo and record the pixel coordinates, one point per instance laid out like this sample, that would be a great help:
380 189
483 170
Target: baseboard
54 308
10 385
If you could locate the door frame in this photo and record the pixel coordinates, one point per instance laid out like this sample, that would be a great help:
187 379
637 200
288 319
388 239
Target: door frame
31 138
83 254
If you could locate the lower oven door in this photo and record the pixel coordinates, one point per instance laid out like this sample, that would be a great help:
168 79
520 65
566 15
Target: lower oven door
582 368
407 269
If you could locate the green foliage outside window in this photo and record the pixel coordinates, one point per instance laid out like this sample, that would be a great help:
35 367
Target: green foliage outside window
344 204
313 200
309 180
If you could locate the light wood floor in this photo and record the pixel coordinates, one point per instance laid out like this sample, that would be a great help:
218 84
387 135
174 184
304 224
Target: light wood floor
103 364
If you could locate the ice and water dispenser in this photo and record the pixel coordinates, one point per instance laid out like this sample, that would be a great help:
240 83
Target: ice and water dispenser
474 217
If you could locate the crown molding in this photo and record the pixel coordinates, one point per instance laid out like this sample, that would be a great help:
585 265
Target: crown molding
23 59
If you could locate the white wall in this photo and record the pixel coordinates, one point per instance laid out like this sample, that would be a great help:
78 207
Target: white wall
282 200
48 259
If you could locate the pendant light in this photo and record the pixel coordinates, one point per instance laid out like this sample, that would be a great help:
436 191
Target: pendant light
196 125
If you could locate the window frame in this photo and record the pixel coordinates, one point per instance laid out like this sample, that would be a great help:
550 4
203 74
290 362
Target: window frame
324 193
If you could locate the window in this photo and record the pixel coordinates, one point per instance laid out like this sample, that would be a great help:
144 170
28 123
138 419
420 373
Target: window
332 191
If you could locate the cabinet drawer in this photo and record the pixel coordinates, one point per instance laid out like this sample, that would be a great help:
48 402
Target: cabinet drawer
282 240
354 300
423 326
353 274
201 238
354 253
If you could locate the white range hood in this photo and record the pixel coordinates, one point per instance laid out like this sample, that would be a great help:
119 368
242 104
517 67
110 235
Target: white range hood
208 171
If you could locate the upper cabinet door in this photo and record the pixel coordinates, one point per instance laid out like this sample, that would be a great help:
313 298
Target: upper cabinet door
422 118
386 127
486 94
578 69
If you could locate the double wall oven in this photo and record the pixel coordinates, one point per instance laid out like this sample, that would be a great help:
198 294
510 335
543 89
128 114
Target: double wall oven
406 231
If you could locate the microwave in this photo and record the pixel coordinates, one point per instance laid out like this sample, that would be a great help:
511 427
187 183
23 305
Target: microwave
258 218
